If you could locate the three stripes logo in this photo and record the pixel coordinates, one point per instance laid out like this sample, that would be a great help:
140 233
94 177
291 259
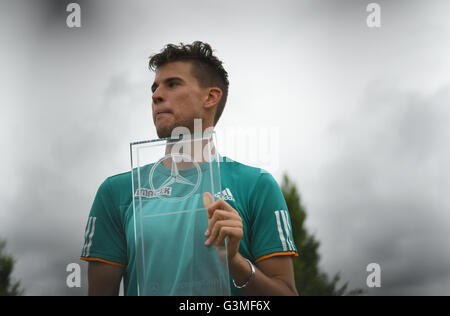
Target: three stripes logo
88 235
225 195
284 230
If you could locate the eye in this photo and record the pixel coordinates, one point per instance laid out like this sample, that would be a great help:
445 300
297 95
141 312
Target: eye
172 84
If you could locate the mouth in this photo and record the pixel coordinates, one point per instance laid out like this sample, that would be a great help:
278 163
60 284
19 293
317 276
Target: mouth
161 112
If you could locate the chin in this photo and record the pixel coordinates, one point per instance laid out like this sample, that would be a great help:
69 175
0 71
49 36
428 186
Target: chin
164 131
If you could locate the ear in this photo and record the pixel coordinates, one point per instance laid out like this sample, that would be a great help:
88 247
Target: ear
213 97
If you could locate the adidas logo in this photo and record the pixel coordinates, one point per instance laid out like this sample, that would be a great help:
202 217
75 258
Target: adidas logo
225 195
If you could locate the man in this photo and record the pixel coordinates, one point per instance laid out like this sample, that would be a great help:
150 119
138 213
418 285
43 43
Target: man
191 83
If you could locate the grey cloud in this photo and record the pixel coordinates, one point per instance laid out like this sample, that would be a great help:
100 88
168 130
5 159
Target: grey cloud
386 191
56 186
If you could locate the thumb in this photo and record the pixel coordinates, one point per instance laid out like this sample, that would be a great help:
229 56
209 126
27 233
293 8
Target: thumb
208 200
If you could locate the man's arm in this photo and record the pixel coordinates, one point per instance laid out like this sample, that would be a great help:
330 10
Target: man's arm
273 276
104 279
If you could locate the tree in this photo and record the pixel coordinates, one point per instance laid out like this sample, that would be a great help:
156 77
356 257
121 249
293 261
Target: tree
309 279
7 288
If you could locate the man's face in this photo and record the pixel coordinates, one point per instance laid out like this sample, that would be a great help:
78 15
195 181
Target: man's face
177 98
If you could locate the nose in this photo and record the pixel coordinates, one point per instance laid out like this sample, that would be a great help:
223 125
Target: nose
156 96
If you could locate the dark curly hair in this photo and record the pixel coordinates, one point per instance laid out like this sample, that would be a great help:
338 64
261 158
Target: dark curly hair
206 67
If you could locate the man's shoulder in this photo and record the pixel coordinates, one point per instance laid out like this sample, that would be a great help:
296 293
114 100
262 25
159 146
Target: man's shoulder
120 184
245 175
117 188
237 166
120 180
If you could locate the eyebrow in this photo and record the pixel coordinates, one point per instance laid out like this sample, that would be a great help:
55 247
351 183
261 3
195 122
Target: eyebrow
167 80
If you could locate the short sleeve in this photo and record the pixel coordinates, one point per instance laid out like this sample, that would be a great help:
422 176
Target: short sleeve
104 238
271 230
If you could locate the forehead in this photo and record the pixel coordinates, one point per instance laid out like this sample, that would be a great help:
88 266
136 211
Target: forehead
181 69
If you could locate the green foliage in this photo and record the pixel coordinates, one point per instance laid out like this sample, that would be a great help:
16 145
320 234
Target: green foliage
6 269
309 279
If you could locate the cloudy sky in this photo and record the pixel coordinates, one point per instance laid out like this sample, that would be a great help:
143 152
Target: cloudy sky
357 116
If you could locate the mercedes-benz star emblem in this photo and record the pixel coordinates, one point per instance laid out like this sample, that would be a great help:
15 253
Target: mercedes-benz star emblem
175 177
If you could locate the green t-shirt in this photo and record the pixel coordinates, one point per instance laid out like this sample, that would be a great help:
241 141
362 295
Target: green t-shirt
252 192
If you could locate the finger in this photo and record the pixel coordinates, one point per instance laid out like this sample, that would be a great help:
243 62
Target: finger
218 215
221 215
223 205
234 233
208 201
221 225
219 204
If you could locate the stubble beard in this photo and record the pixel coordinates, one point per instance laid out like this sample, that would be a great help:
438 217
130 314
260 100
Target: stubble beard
166 131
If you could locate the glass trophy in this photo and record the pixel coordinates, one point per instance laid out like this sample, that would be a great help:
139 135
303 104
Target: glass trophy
169 177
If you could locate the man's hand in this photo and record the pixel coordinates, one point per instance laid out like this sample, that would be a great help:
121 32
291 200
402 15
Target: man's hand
223 221
274 276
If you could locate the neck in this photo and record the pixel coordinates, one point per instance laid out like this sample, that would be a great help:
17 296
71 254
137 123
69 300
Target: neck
189 149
